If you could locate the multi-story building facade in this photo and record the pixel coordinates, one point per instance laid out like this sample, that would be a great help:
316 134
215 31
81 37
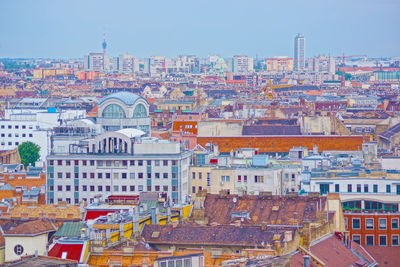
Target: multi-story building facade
280 64
299 53
121 163
243 64
96 61
324 64
372 219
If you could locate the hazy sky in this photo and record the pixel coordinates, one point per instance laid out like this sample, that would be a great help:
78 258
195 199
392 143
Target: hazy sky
61 28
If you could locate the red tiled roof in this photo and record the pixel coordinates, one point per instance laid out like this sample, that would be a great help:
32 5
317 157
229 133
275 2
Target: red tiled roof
94 214
28 227
385 256
334 253
74 251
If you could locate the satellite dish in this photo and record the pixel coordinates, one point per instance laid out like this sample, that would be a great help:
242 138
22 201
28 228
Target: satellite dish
234 200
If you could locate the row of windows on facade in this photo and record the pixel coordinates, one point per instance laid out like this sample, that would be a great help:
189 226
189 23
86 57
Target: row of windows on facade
16 135
76 200
369 240
116 175
116 188
369 223
109 163
257 178
324 188
9 143
16 127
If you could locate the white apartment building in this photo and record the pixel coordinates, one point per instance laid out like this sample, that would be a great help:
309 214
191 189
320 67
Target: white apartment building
96 61
243 65
116 163
323 64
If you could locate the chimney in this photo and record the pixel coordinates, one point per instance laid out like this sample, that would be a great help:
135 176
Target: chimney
169 214
153 215
306 235
306 260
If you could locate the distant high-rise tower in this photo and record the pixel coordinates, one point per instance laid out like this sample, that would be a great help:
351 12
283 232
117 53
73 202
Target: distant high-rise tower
104 44
299 53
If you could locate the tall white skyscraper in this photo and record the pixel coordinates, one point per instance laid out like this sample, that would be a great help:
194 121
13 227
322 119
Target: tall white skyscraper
299 52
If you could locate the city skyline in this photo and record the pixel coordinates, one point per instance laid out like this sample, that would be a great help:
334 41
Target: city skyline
47 29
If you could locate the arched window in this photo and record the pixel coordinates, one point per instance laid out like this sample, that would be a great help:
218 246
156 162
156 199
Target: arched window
140 111
113 111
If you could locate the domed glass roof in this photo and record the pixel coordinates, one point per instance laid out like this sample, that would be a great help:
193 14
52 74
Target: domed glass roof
127 98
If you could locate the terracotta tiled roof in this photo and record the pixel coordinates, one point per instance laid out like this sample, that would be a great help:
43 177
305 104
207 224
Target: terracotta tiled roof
285 210
248 236
28 227
334 253
385 256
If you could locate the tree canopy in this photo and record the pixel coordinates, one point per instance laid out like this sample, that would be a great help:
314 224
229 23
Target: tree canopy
29 153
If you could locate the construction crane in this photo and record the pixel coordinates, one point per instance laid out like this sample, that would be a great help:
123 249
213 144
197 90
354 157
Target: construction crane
269 89
343 57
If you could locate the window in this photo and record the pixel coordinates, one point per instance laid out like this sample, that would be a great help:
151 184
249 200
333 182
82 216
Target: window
358 188
59 188
108 188
68 162
293 177
92 175
68 188
59 175
100 175
76 175
157 163
382 224
245 178
68 175
349 188
84 188
99 163
200 188
193 189
59 162
357 239
258 179
84 175
18 250
395 240
30 135
76 188
124 175
225 178
132 175
76 162
149 175
165 188
165 162
369 240
124 163
346 223
356 223
84 162
366 188
157 175
132 188
337 188
116 188
388 188
193 175
149 163
200 176
140 111
140 162
174 162
165 175
382 240
108 175
174 188
140 188
157 188
92 188
369 223
108 163
124 188
140 175
239 178
208 179
132 163
395 223
113 111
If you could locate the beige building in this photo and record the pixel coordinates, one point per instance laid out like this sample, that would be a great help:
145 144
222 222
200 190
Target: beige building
26 238
282 64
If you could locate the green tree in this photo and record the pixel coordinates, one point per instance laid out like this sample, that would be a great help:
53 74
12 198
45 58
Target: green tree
29 153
